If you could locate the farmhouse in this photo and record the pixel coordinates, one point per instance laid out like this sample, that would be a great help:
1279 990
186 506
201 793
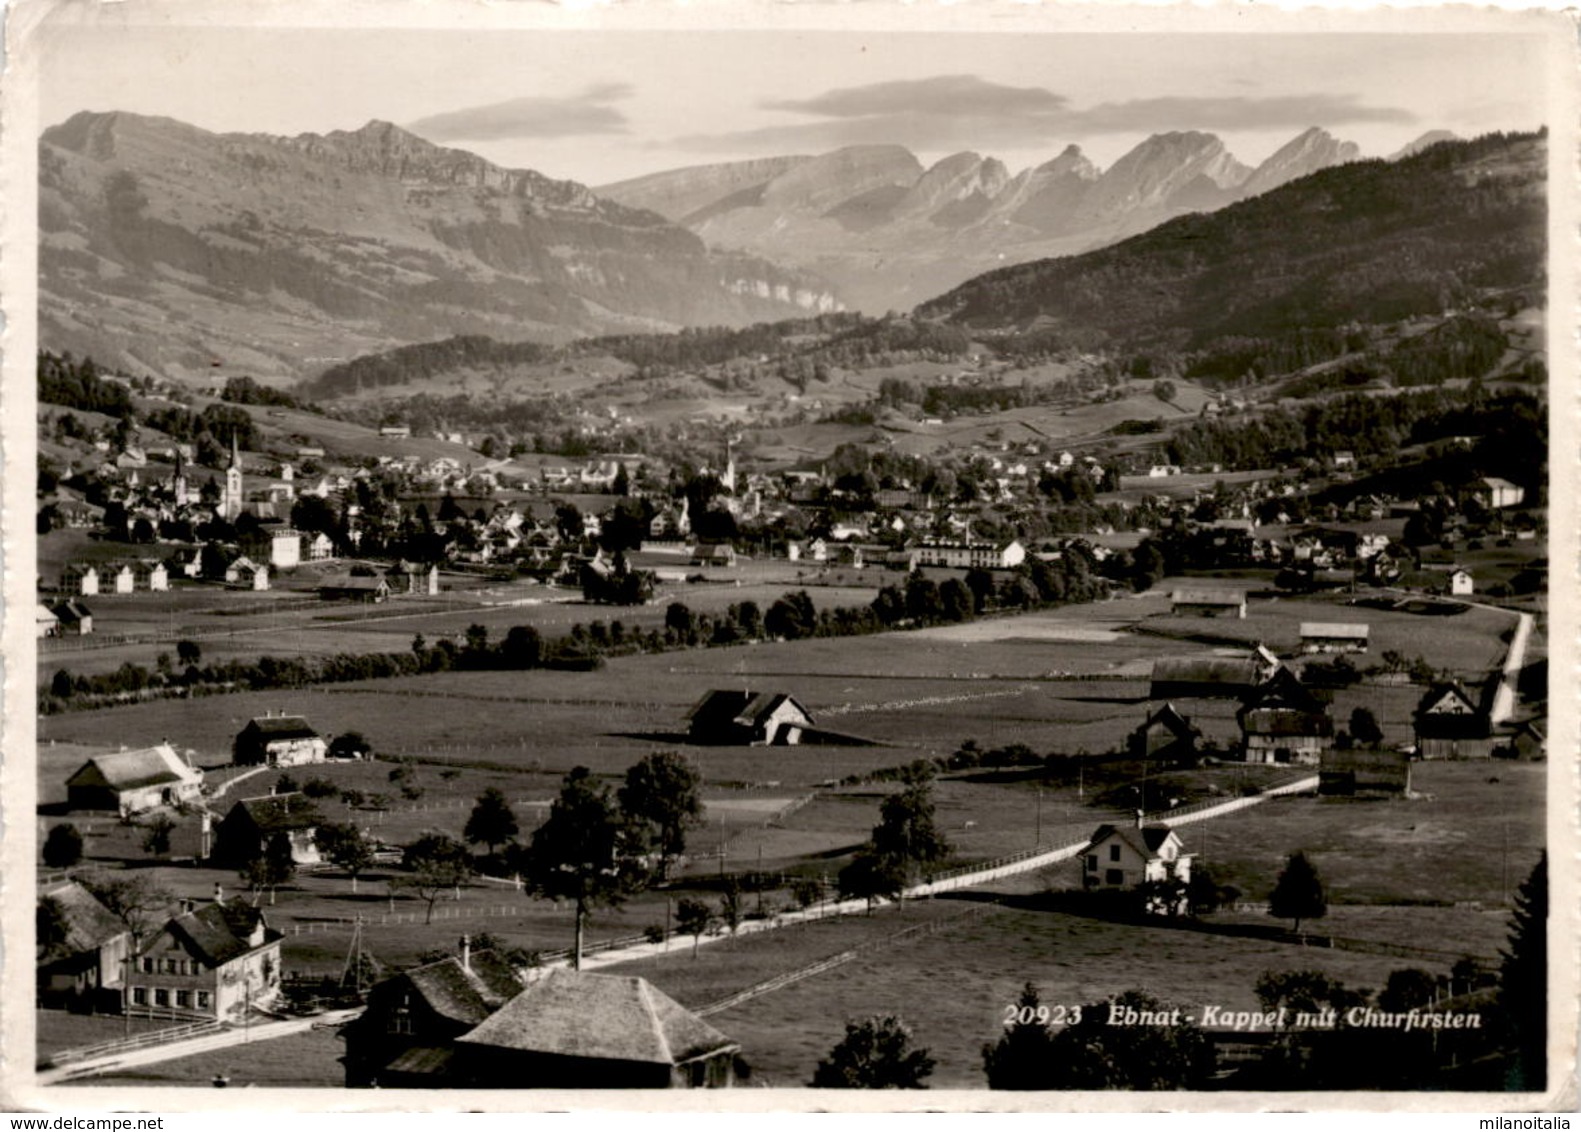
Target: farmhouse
74 619
1123 857
130 782
1364 770
246 574
81 949
246 830
1326 637
713 554
1527 743
355 587
416 578
1284 722
208 962
1211 676
1461 583
1449 724
119 578
405 1038
729 717
1166 736
1208 603
576 1030
320 547
278 740
45 623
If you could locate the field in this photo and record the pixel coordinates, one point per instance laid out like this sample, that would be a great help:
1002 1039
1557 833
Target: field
1438 867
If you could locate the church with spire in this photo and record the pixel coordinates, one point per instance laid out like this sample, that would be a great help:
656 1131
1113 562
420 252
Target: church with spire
232 498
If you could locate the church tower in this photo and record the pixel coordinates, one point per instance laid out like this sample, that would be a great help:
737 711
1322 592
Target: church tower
178 484
231 502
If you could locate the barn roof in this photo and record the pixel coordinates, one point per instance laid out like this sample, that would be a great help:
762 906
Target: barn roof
1334 630
132 770
465 994
281 727
601 1017
1208 597
1169 717
279 813
87 923
1215 670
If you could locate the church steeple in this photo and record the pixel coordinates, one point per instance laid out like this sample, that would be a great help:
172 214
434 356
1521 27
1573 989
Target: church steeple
231 503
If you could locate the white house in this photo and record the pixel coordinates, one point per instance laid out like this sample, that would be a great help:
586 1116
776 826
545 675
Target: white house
1120 857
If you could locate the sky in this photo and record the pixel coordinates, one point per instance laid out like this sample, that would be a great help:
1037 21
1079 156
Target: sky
602 106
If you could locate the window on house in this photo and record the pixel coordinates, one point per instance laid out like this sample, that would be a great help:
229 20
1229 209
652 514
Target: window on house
183 998
1114 852
140 996
1092 862
161 996
203 1000
148 966
1114 876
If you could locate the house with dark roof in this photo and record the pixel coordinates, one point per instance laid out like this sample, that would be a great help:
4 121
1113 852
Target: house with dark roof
248 827
1122 857
1527 742
279 740
355 587
1165 737
739 718
45 623
1451 724
73 618
130 782
579 1030
81 949
720 554
208 962
405 1038
1284 722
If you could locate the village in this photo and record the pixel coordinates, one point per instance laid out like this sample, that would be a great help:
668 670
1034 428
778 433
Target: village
267 804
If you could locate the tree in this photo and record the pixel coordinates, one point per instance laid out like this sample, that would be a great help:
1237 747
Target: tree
663 791
343 844
693 917
730 906
1298 895
63 846
1133 1042
52 930
871 876
1408 988
875 1053
522 647
350 745
62 685
1523 983
1364 726
156 834
807 891
435 862
492 821
135 900
907 832
580 853
1021 1058
189 653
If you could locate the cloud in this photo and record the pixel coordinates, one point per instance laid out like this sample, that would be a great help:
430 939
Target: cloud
532 117
1235 112
949 96
953 112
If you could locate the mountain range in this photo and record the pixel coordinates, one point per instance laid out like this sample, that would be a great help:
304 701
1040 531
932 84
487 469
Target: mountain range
166 248
889 232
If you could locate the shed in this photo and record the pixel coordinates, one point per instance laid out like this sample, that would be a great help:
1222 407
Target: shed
1333 636
1208 603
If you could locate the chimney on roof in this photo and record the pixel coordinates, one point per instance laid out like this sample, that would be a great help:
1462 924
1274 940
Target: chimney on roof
466 954
187 905
219 893
1140 819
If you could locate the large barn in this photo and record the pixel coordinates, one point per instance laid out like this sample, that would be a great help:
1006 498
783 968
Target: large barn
759 719
279 740
130 782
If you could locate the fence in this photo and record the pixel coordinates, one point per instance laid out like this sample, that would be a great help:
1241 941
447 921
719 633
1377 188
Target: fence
137 1041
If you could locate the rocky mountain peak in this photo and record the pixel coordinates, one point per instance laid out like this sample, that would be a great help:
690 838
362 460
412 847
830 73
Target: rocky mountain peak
1307 152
